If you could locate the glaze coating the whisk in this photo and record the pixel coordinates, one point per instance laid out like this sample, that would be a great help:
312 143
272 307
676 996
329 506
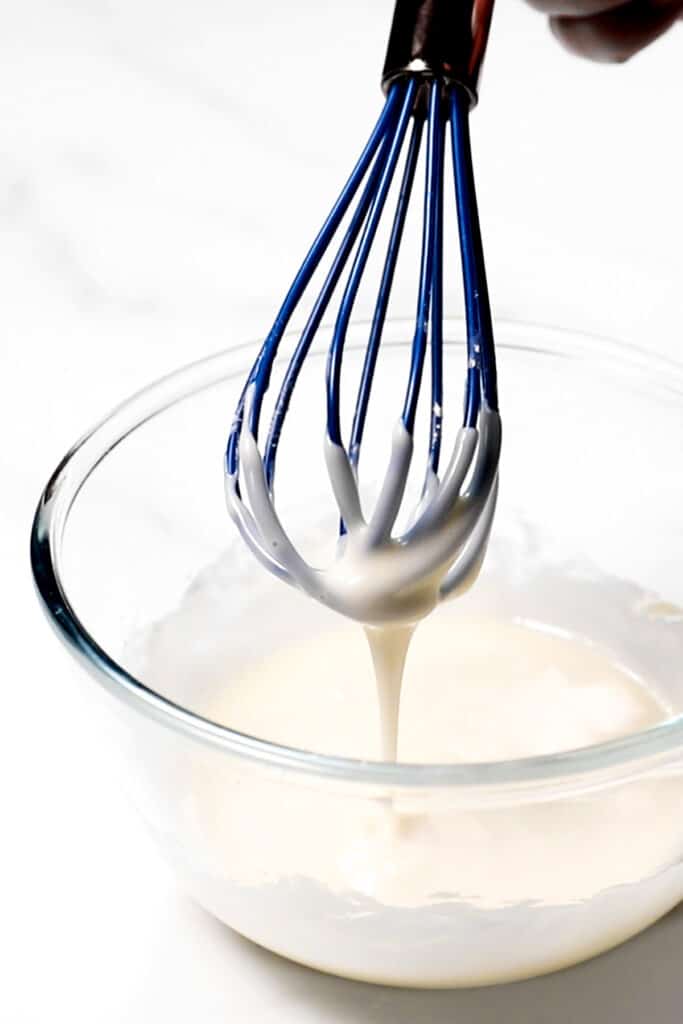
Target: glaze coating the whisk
380 575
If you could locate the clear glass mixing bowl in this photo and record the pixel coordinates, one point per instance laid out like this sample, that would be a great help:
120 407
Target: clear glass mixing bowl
577 851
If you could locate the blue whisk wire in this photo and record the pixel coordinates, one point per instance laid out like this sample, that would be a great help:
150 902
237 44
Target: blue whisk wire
481 374
430 224
381 306
436 311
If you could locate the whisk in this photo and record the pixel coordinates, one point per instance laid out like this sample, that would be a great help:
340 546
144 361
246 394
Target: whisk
430 80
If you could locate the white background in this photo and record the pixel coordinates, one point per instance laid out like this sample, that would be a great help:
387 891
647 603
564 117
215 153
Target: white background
162 167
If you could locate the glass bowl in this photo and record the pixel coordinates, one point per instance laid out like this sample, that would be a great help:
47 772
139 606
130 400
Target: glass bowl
553 858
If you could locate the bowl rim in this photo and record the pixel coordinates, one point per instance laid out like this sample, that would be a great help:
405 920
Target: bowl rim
624 756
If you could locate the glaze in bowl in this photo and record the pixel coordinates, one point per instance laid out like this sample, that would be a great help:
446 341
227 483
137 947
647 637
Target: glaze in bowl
591 494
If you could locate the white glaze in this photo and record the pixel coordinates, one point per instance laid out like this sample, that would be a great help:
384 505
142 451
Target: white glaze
389 648
476 688
426 888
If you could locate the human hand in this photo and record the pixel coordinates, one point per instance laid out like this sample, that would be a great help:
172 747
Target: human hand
609 30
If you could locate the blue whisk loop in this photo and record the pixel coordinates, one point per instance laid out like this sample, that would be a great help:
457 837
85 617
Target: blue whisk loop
430 89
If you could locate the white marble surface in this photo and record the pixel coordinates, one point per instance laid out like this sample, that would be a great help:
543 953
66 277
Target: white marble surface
162 166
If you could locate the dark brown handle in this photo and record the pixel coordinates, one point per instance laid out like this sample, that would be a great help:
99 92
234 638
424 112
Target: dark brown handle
439 39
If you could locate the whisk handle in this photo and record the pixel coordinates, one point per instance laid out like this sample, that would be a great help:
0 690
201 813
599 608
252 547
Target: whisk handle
438 39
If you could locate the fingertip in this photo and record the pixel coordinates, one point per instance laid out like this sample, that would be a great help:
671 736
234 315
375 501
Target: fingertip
579 37
615 36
